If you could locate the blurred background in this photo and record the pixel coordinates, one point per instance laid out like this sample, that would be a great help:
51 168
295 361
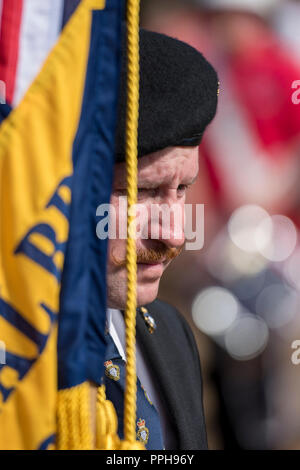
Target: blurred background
241 292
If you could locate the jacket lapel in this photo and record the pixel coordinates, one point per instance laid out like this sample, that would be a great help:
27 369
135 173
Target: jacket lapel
161 353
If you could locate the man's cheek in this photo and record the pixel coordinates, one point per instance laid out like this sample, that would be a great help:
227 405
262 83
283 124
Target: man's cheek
118 219
143 221
120 216
110 250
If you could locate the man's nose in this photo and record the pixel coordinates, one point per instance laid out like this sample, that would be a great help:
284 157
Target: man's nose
173 238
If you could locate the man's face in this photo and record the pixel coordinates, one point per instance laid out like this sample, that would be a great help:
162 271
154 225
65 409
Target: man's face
163 178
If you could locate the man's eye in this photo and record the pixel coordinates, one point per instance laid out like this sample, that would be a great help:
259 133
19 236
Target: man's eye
182 188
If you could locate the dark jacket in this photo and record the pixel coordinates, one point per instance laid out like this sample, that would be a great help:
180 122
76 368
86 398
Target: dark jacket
172 356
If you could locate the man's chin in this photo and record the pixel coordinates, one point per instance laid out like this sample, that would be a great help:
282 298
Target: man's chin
146 293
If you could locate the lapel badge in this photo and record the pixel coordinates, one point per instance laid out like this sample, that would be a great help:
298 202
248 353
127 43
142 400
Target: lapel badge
143 432
150 322
112 370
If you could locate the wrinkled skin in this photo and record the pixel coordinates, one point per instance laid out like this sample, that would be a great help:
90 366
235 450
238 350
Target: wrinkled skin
163 178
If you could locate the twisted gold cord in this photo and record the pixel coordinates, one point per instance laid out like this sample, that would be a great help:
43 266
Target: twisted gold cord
133 9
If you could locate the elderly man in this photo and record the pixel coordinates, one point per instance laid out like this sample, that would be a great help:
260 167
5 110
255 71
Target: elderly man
178 99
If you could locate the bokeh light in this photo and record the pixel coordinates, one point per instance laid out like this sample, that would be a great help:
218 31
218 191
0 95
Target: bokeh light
245 263
277 304
283 238
245 229
247 287
292 269
247 337
228 263
214 309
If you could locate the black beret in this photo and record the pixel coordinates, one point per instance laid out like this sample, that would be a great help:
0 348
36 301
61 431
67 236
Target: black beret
178 95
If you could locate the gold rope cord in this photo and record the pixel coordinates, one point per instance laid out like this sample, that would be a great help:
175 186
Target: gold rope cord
133 11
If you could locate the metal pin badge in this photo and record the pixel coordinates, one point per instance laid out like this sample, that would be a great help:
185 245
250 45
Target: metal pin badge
150 322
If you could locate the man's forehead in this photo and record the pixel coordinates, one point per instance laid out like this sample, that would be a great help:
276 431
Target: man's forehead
163 166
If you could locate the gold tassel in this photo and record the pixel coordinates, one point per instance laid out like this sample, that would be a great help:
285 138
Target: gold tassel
106 423
74 430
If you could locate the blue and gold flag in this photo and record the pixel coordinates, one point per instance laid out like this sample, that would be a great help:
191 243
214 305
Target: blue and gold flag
56 160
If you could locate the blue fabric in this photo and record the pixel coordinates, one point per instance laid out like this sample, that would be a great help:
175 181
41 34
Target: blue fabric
81 342
69 8
5 109
145 409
